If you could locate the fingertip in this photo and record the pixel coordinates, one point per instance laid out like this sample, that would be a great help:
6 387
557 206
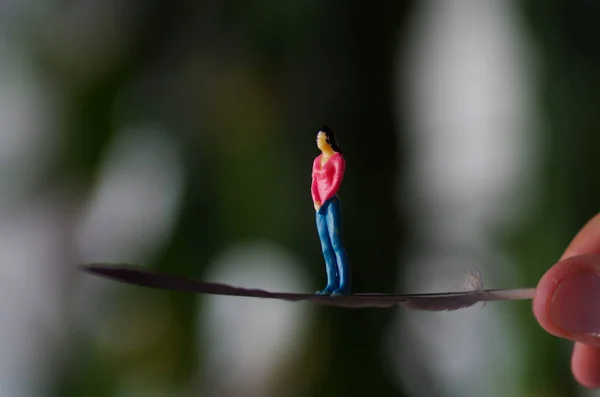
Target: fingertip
587 240
585 365
564 299
545 291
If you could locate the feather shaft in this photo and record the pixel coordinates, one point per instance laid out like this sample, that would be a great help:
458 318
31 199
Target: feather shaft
445 301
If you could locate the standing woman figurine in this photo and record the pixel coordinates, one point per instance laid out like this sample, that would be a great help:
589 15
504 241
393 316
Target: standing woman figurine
327 175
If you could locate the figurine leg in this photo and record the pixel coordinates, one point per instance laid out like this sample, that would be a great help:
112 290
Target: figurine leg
328 255
334 226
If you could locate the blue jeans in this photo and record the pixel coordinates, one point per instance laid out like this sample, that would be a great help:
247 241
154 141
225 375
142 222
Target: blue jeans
329 226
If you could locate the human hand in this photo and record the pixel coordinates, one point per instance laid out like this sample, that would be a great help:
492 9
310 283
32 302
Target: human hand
567 302
317 205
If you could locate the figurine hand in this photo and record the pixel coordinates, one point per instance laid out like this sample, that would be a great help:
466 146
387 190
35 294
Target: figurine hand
567 302
317 205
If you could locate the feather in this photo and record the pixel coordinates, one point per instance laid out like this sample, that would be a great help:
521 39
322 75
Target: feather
430 302
473 280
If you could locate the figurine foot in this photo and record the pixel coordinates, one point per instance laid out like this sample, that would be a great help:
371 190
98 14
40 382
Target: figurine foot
327 291
341 291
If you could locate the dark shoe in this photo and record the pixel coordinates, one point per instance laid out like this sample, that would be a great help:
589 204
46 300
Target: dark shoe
341 291
327 291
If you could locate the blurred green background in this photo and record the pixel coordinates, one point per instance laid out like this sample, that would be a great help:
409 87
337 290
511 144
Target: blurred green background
179 135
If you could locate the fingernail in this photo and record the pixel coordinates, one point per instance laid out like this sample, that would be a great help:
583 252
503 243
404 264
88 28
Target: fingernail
575 306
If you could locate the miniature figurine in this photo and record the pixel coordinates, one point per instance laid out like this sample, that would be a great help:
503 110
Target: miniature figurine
327 175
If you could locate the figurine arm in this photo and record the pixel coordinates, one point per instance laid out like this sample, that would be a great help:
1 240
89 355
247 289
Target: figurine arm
314 191
338 175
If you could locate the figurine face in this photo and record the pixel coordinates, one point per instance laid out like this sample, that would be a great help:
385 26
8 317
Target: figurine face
322 141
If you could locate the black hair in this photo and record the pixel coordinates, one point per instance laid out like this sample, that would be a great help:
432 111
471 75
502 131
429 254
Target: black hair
331 139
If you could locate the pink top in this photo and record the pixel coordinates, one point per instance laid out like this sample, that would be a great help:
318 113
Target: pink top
326 180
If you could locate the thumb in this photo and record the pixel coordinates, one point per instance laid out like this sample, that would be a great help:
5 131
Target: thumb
567 301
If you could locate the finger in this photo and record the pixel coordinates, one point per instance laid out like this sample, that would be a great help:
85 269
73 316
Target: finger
567 301
585 365
587 241
585 362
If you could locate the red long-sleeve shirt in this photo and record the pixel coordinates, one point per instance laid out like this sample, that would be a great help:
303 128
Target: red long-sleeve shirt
326 180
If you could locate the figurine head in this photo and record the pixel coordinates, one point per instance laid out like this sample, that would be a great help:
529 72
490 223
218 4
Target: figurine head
326 138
